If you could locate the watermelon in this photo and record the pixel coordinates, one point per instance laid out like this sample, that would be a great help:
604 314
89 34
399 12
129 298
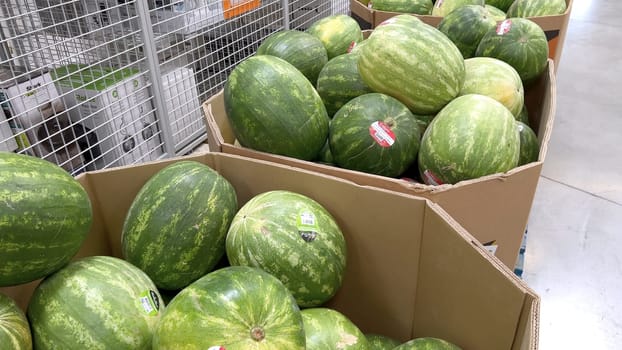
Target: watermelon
444 7
175 229
45 215
529 145
419 7
519 42
381 342
339 82
495 13
427 343
374 133
14 327
536 8
466 26
472 136
523 116
98 302
294 238
329 329
337 32
412 62
234 308
303 50
273 108
502 5
494 78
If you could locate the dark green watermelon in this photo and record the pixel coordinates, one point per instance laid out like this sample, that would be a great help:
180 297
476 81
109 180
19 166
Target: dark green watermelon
374 133
302 50
273 108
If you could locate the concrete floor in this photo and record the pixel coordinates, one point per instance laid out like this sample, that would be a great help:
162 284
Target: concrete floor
573 258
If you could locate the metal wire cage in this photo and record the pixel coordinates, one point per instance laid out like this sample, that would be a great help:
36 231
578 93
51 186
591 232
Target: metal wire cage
91 84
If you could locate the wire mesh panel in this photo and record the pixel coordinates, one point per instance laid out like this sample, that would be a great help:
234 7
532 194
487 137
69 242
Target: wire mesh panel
90 84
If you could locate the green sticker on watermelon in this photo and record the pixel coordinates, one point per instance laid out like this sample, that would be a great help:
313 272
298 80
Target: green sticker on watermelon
307 226
150 302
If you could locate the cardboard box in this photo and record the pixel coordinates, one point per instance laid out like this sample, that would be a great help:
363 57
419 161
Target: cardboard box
554 27
411 271
494 208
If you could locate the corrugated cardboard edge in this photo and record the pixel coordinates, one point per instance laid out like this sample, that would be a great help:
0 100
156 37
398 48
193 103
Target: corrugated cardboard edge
527 330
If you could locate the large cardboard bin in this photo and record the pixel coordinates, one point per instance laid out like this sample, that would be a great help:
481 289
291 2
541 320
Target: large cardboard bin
555 27
411 271
494 208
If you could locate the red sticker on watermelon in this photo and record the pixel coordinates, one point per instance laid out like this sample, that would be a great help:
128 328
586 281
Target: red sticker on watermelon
430 178
504 27
382 134
352 46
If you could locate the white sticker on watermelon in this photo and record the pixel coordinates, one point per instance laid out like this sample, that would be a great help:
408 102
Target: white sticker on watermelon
150 302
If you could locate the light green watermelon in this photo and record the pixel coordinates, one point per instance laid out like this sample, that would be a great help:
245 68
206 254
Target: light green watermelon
337 33
444 7
381 342
473 136
536 8
98 302
529 144
175 229
329 329
14 327
45 216
376 134
419 7
494 78
273 108
466 26
412 62
427 343
294 238
519 42
234 308
302 50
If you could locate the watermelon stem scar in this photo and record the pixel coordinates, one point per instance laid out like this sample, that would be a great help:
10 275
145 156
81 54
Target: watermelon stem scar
258 334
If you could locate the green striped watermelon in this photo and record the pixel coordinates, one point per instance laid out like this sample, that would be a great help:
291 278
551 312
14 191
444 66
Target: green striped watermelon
175 229
98 302
466 26
444 7
294 238
339 82
374 133
419 7
523 116
337 32
413 62
234 308
14 327
494 78
536 8
519 42
381 342
495 13
45 215
273 108
330 329
303 50
502 5
427 343
529 144
472 136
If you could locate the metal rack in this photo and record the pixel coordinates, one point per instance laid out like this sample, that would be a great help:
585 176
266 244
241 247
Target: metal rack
91 84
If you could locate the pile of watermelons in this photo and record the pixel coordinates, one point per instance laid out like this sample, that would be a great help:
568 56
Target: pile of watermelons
433 105
197 271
